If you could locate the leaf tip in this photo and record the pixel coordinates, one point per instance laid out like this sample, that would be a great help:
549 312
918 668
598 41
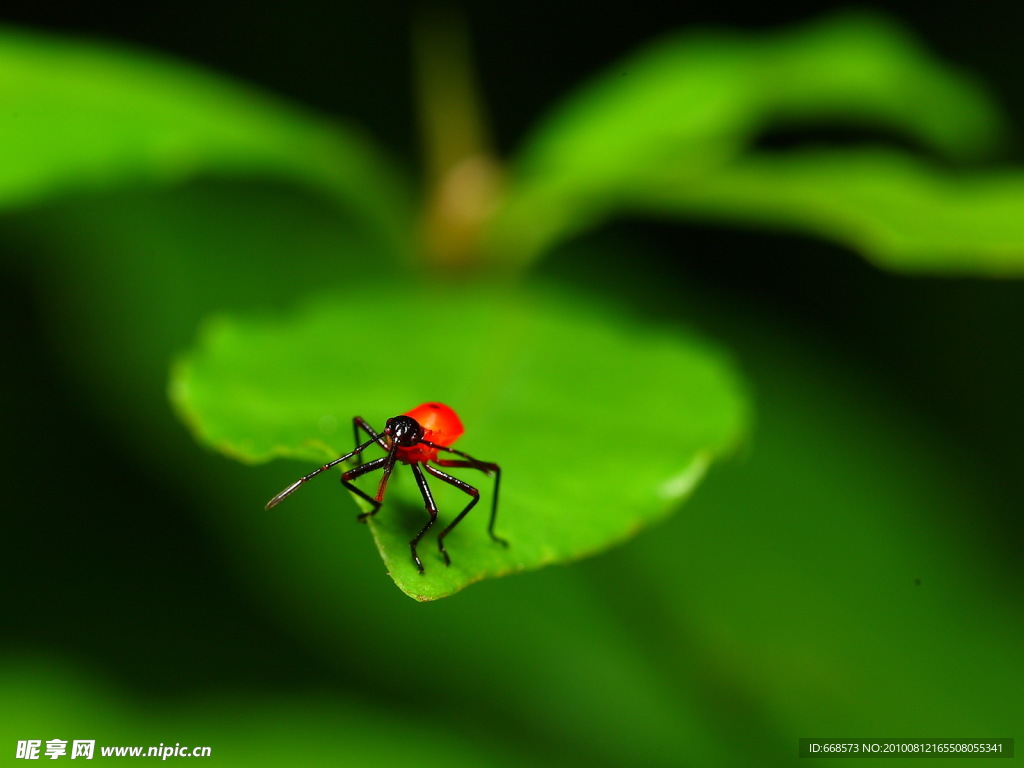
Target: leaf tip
681 485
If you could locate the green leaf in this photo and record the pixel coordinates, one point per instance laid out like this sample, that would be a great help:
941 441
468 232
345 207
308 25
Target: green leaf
47 700
566 397
696 101
82 116
895 209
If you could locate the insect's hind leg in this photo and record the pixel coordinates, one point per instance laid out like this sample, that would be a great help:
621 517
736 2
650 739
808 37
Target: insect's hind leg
465 488
487 468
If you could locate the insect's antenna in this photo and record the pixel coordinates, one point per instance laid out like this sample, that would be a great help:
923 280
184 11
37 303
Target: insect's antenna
298 483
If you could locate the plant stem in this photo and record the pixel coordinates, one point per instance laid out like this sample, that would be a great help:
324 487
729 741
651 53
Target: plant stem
463 176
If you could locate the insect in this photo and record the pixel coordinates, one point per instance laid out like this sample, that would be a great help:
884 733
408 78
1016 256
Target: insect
414 438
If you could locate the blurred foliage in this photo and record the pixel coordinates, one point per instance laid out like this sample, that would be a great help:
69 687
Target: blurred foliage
61 703
835 581
86 116
673 130
900 212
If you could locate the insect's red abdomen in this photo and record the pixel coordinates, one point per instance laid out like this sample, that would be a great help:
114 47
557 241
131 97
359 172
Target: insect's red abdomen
441 426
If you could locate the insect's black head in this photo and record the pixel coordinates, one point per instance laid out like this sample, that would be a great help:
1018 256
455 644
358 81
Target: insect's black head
404 430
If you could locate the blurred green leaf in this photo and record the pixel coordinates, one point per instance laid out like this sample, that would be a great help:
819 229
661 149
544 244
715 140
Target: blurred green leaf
550 388
86 116
56 702
694 102
895 209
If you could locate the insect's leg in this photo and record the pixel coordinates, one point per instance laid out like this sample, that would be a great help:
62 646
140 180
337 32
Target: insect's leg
358 422
487 468
352 474
428 499
462 486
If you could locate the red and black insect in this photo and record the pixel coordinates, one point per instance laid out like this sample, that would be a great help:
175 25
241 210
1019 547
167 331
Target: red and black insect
414 438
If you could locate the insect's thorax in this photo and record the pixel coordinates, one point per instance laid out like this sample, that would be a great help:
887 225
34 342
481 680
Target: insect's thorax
420 453
417 454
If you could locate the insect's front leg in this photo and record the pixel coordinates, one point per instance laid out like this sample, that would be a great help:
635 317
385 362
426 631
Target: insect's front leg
352 474
358 422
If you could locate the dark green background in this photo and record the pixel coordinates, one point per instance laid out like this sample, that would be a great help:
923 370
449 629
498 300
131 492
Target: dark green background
889 402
